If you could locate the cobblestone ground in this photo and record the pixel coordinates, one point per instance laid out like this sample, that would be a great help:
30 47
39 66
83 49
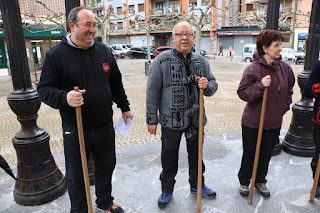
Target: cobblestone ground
223 110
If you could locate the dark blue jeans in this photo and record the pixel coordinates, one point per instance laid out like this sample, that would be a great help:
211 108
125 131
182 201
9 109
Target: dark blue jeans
249 141
100 142
169 158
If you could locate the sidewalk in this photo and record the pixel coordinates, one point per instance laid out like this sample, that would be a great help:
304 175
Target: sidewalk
136 186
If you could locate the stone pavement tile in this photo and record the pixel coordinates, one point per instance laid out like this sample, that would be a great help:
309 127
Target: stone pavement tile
136 185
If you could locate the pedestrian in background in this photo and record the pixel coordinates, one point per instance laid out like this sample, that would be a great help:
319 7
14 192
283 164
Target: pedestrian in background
80 61
312 90
220 49
230 51
172 100
266 70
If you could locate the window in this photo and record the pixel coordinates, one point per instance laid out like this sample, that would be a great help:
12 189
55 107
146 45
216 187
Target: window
131 23
249 7
131 8
204 2
119 10
140 7
159 5
120 26
192 3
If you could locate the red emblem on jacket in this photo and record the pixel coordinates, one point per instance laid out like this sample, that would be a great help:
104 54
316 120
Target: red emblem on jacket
106 67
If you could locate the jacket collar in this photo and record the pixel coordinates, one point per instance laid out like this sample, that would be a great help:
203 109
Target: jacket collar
261 60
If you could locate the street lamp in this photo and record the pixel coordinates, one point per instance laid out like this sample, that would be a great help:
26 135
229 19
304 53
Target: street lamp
298 140
38 180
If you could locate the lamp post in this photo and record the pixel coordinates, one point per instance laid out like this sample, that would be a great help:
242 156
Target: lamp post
38 179
272 24
298 140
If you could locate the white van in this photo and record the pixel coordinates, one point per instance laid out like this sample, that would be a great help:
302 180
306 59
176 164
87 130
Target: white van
248 51
122 53
125 47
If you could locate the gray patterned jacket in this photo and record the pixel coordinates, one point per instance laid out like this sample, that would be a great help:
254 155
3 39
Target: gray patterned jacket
175 93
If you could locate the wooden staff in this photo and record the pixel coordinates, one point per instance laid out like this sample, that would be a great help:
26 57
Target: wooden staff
315 182
200 152
256 158
83 156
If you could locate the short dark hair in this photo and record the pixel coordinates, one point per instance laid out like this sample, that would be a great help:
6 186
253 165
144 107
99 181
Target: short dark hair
266 37
73 14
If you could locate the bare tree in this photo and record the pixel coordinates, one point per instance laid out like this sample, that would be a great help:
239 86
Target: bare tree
45 22
199 22
151 23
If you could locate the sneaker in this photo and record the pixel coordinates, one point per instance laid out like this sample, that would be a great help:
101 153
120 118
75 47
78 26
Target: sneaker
244 190
317 192
164 199
205 192
114 209
262 188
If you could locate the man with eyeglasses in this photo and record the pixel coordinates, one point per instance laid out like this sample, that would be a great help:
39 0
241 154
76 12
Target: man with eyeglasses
173 86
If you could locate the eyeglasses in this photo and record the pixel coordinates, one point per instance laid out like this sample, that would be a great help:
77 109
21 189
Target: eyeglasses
181 35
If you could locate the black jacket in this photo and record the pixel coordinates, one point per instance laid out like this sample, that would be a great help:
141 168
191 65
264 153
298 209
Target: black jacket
93 69
312 90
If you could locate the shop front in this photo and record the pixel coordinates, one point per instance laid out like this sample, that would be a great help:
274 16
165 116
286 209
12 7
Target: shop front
38 42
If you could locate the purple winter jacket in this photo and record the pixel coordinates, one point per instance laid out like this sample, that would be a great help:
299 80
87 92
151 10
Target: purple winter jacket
279 93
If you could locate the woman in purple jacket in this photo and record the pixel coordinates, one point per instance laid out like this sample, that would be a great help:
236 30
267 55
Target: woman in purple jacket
266 70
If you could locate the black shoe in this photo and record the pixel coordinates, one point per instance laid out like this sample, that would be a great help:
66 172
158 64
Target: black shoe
164 199
317 192
262 188
244 190
113 209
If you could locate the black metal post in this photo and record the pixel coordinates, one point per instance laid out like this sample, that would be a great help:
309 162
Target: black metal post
273 15
69 4
38 180
298 140
272 24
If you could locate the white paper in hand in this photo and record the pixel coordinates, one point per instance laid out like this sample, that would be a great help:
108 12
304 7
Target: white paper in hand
122 128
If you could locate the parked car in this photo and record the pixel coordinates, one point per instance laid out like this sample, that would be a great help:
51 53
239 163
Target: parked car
288 54
119 50
125 47
152 49
139 52
160 49
114 53
202 52
248 51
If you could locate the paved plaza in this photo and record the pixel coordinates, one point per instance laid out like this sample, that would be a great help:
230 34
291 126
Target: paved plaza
138 155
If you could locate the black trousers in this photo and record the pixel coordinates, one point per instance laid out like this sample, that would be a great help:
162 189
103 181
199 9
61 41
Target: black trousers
249 140
316 141
101 143
170 155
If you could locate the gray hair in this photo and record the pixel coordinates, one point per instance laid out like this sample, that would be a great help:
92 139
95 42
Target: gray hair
73 14
173 30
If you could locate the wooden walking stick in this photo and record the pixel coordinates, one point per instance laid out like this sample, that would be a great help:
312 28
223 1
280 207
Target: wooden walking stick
83 156
256 158
200 151
315 182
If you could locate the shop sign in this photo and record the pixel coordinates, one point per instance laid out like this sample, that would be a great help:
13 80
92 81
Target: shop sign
303 36
40 32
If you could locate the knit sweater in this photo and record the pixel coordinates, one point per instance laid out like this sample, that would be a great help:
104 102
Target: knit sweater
93 69
173 91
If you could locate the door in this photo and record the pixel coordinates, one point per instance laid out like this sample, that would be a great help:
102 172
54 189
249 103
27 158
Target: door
3 58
